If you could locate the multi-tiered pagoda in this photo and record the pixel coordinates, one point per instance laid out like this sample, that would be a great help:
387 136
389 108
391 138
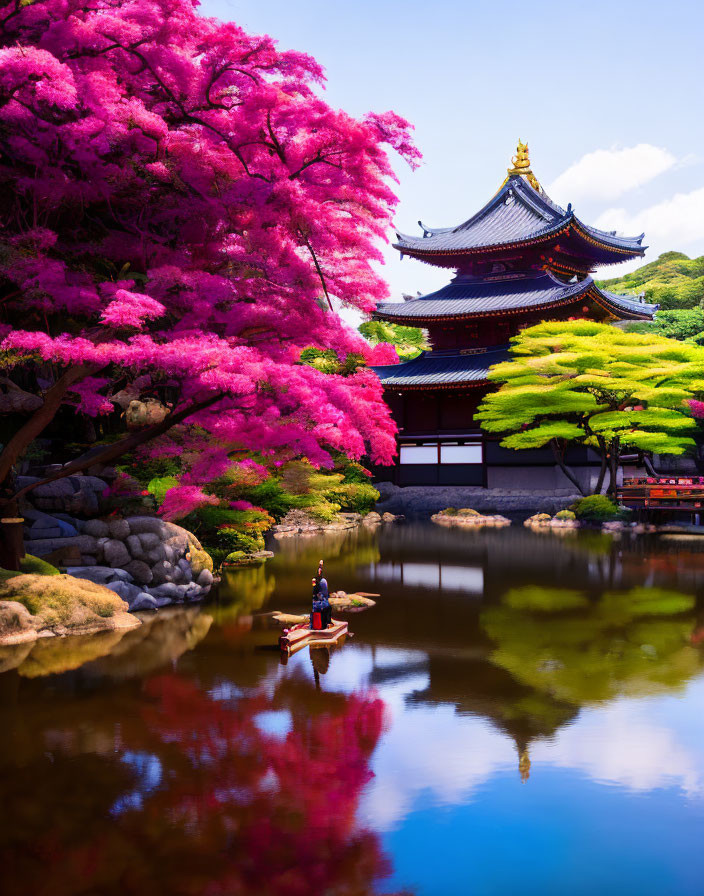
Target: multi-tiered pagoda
520 260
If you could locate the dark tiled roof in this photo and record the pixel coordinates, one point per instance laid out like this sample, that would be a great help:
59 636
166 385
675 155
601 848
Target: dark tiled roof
517 214
466 296
630 304
469 296
442 369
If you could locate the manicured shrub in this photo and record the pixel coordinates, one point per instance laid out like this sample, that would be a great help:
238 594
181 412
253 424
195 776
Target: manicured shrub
597 509
467 511
565 515
449 511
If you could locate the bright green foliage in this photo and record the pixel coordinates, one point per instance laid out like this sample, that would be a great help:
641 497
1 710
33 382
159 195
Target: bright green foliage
328 361
30 565
565 515
160 485
409 342
681 324
582 381
674 281
597 509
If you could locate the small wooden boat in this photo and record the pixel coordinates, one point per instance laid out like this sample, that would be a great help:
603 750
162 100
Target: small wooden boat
302 635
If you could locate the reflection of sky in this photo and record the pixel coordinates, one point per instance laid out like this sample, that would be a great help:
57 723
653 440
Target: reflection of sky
148 773
438 576
616 798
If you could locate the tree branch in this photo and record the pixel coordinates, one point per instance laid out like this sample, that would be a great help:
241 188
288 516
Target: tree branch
111 452
41 418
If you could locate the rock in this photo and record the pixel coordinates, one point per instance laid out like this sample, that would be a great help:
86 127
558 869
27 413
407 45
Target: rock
97 528
54 532
162 572
141 524
143 601
371 518
168 553
178 543
193 591
163 601
64 603
155 555
200 560
185 568
99 574
177 574
85 544
116 554
134 546
388 517
168 589
16 622
205 578
119 529
87 560
140 572
148 540
125 590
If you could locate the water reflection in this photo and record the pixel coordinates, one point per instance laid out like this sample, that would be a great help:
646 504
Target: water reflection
537 691
194 793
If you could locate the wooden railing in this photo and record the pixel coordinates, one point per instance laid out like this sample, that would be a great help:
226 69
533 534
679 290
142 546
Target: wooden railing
681 493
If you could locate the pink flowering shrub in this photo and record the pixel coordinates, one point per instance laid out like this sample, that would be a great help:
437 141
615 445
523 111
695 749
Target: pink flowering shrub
176 198
184 499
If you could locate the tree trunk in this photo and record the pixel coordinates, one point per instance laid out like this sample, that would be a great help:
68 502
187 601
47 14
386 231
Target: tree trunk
604 466
559 460
40 419
648 464
111 452
613 467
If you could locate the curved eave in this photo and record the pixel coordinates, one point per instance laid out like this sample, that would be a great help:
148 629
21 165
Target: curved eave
622 307
441 370
621 250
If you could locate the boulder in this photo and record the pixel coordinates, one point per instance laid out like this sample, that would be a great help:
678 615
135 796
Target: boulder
99 574
16 622
143 601
168 589
148 540
116 554
141 524
162 572
205 578
118 529
87 560
155 555
134 546
140 572
163 602
200 560
85 544
125 590
97 528
185 568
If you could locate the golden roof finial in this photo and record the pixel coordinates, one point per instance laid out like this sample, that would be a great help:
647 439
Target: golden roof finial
520 161
521 166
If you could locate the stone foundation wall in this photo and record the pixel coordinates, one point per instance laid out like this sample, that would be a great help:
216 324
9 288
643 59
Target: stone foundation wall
145 560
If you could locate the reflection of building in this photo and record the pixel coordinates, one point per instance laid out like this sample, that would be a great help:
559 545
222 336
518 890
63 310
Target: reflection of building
520 260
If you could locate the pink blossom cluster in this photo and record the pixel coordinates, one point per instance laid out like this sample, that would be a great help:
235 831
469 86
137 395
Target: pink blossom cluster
181 206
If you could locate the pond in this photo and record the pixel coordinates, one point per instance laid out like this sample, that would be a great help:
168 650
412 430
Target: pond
520 712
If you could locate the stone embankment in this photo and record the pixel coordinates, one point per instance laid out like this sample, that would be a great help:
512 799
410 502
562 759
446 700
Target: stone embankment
421 502
146 561
467 518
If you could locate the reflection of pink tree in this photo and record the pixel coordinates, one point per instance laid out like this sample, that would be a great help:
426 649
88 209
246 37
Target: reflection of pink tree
232 810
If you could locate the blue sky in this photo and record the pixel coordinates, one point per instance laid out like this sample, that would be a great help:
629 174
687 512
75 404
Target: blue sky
609 96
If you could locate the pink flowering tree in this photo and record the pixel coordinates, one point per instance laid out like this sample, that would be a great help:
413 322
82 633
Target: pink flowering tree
180 211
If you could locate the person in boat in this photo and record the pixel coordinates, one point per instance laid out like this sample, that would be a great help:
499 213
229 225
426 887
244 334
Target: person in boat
321 599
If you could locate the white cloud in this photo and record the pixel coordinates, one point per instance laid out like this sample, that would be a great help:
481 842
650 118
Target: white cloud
608 173
668 225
